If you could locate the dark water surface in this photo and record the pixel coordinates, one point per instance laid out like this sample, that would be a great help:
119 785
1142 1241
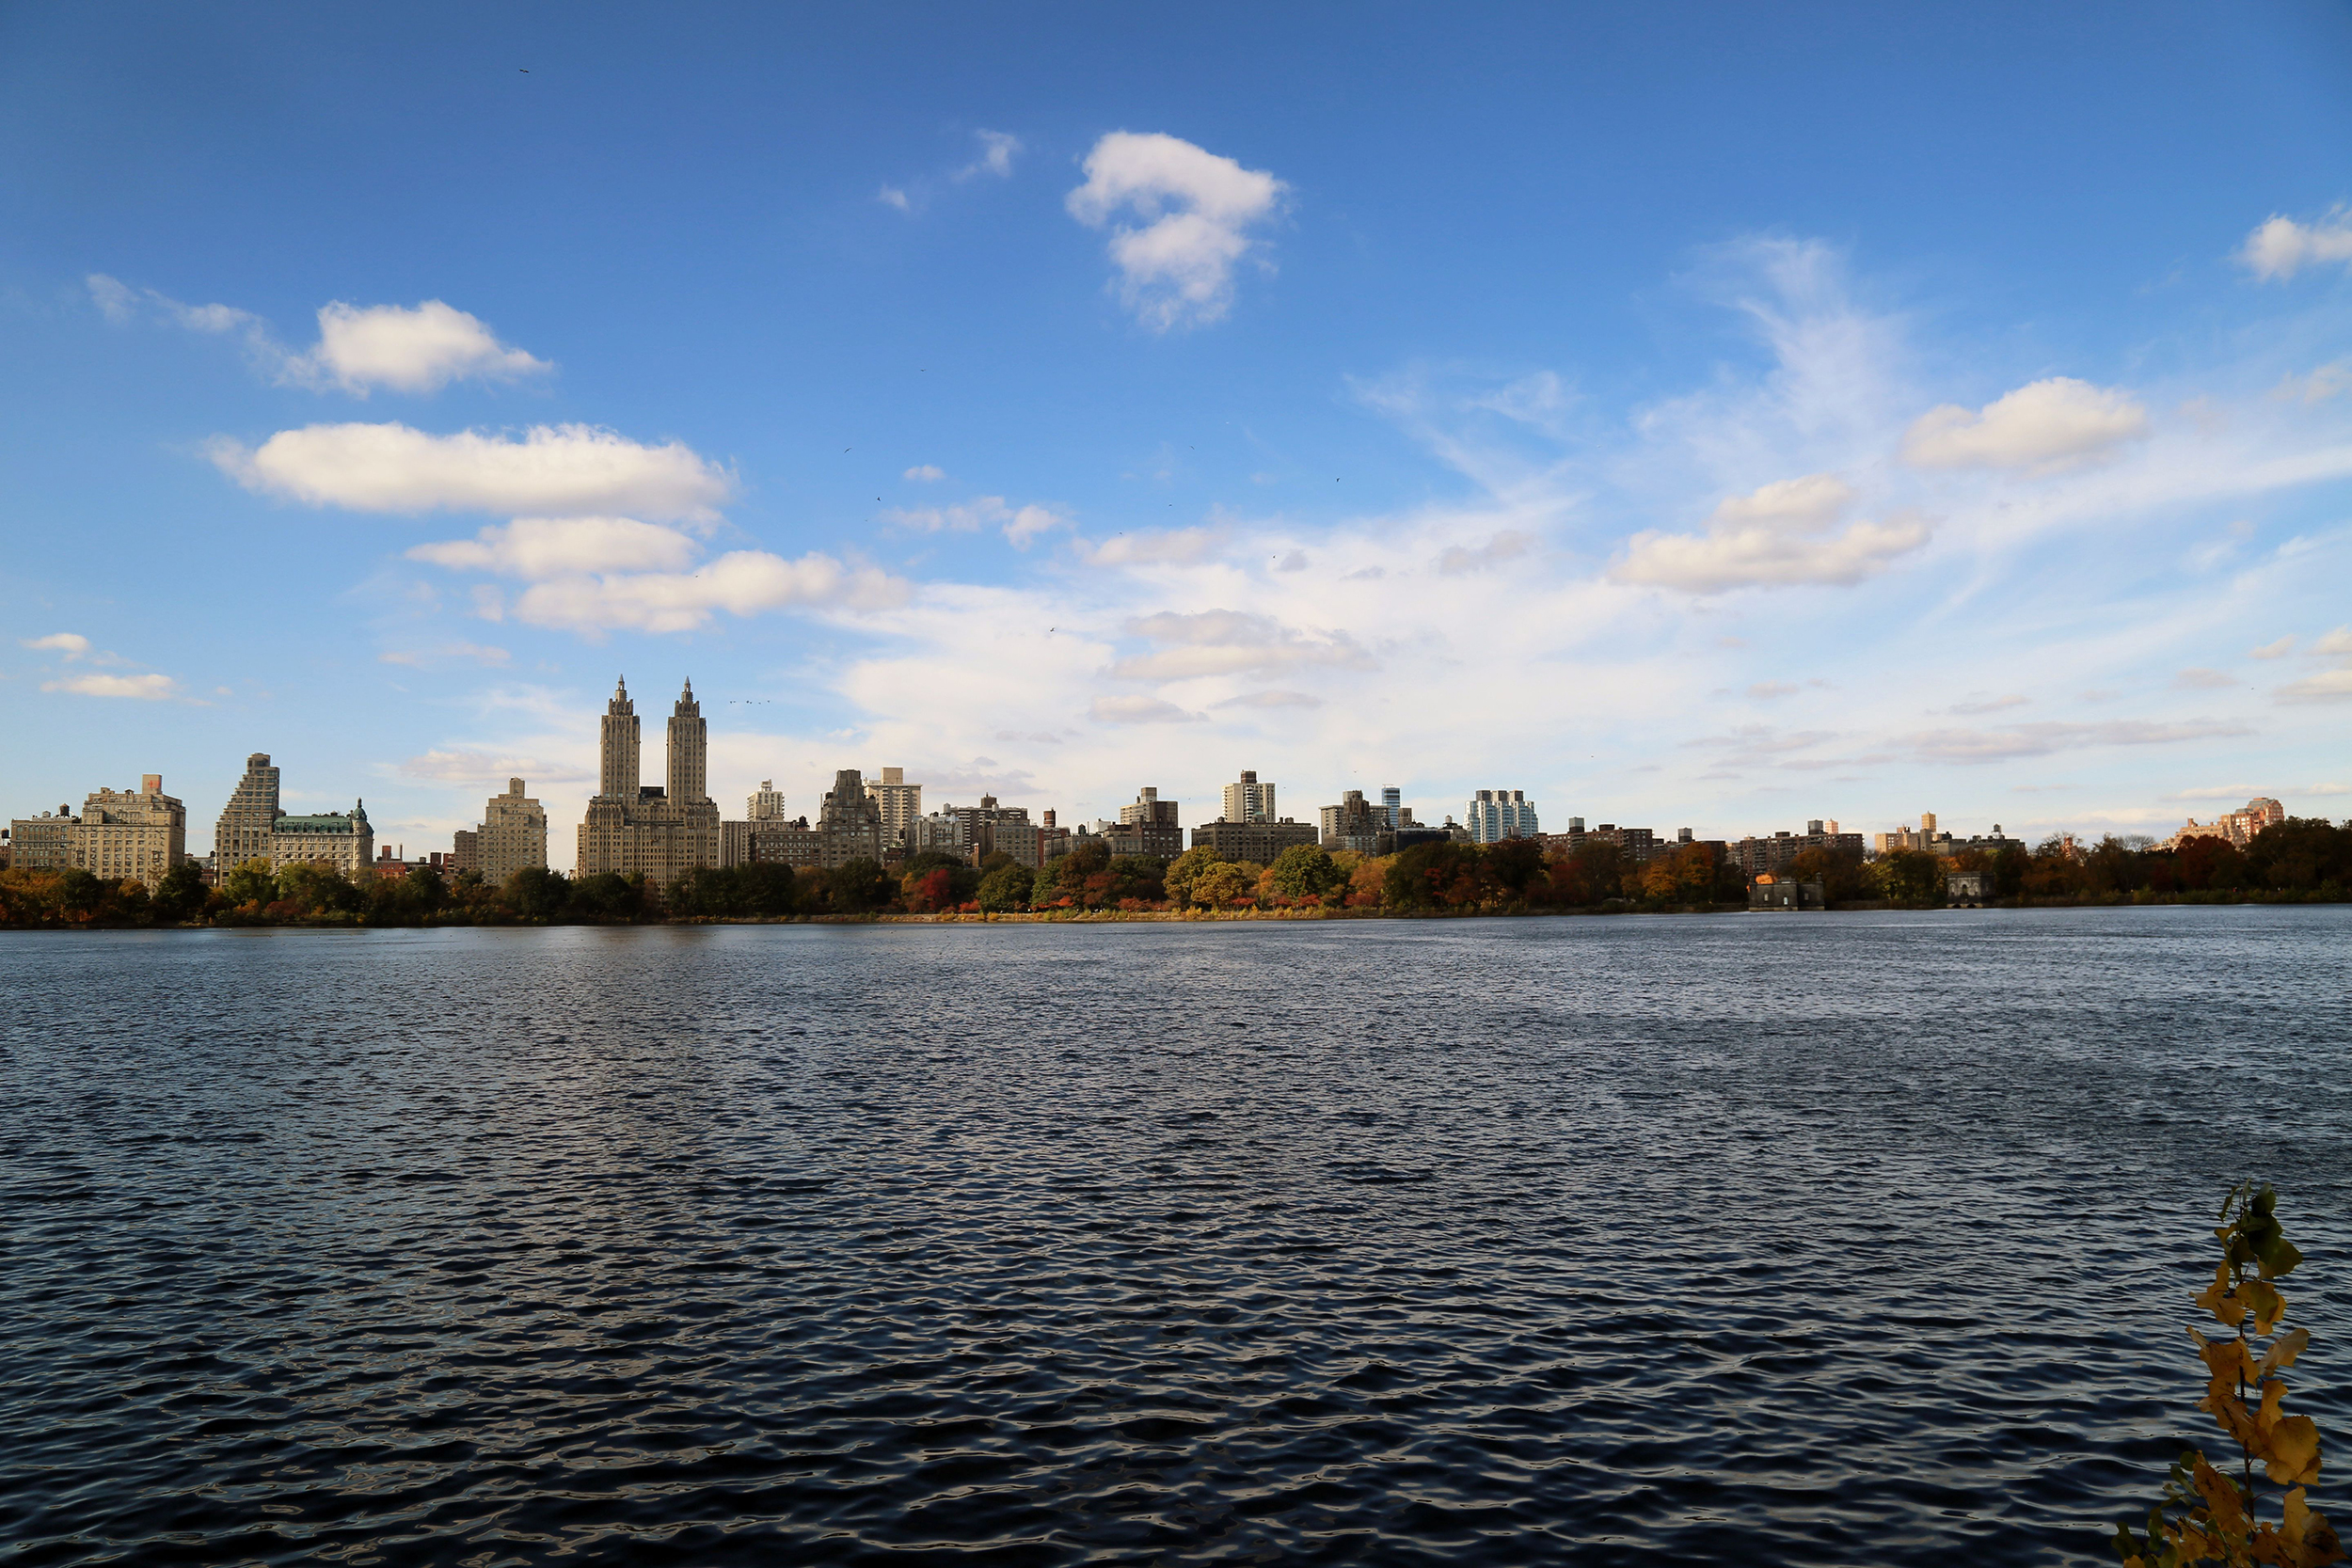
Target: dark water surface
1847 1239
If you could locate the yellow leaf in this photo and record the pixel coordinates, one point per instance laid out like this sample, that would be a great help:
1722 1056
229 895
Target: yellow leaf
2231 1411
2215 1298
2221 1500
2299 1518
2268 1416
2227 1360
2282 1351
2294 1444
2268 1304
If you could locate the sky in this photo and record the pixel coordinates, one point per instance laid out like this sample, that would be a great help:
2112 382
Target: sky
1711 417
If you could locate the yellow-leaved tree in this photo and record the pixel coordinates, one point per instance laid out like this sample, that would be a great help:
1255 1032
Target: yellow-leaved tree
2208 1516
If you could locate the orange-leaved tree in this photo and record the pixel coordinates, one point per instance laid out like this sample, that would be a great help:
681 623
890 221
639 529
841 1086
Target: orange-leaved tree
2210 1516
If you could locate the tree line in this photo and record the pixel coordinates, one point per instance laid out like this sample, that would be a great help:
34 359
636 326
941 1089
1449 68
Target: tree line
2299 859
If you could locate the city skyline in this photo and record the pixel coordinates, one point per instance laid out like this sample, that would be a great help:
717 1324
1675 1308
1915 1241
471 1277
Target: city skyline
1486 812
1608 431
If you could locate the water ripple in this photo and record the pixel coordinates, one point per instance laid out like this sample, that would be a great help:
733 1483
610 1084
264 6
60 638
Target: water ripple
1850 1240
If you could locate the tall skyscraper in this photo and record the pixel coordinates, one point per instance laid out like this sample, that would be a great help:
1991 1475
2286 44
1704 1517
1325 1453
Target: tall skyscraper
247 822
900 803
1496 814
1247 801
690 748
616 753
658 831
1391 803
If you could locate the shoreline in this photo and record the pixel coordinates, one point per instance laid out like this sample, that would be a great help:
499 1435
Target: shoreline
1200 917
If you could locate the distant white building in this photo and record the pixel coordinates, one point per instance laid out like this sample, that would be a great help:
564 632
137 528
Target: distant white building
765 803
1496 814
1247 801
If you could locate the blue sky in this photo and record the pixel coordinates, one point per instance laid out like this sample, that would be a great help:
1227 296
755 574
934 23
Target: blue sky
1709 417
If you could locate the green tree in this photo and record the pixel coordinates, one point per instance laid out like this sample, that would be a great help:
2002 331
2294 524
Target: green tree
857 887
182 893
1910 876
250 883
2301 853
1006 888
610 896
535 892
1306 871
769 888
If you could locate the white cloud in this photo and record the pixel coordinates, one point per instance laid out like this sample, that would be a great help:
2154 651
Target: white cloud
1768 689
2043 426
121 305
2203 680
1140 710
2328 686
1773 537
407 350
72 645
2037 740
1508 544
1270 698
1229 642
1989 704
466 766
2282 247
2330 380
1029 522
1021 526
1177 546
743 582
117 300
539 548
997 149
2336 642
1814 502
419 658
891 196
145 687
1197 209
925 473
560 471
2279 649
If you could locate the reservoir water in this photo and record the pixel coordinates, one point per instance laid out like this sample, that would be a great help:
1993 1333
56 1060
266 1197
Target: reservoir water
1849 1239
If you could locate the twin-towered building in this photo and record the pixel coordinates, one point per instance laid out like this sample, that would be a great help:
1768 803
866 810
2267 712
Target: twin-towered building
661 830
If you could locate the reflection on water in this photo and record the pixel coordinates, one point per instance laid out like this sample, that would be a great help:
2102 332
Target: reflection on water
1839 1238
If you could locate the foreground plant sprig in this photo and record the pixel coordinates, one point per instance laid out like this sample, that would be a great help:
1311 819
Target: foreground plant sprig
2207 1516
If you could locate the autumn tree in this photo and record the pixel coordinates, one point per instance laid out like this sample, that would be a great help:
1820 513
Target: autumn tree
1183 869
2208 1514
1224 884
